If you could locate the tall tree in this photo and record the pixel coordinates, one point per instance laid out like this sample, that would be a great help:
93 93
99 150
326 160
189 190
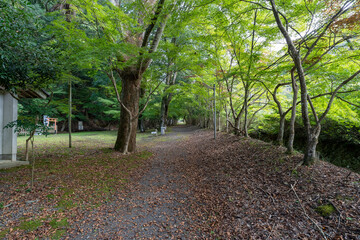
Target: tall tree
299 59
121 39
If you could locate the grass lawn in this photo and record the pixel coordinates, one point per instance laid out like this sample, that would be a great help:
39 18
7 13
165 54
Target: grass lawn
79 140
66 180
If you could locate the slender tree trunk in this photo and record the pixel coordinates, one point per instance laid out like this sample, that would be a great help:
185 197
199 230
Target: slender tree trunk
227 118
63 126
290 145
219 121
141 124
130 95
295 55
32 163
27 144
237 125
163 110
246 112
280 137
165 102
70 113
310 153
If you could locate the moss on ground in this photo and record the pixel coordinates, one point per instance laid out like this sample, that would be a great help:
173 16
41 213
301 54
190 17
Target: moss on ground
325 210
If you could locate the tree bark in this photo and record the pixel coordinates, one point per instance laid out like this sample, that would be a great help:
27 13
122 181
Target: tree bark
310 153
237 126
165 102
141 124
131 78
290 144
295 55
227 118
245 128
280 136
130 95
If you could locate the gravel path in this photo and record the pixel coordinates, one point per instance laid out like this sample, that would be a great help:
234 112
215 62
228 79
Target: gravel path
155 207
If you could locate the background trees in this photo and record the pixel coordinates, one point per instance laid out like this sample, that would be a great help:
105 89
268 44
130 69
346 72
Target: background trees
164 55
27 57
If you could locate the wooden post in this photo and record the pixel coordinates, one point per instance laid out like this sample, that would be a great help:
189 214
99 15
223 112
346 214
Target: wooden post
70 110
214 113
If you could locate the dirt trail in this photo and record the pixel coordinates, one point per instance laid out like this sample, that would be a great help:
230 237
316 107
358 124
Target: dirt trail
155 206
231 188
193 187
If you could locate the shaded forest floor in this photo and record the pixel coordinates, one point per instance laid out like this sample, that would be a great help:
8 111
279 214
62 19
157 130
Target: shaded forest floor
183 185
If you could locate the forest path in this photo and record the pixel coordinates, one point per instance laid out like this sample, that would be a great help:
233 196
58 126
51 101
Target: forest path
231 188
155 205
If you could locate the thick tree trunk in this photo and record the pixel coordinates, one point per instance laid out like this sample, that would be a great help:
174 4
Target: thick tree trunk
130 95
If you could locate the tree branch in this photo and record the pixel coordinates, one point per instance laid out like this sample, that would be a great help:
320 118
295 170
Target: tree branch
335 92
111 76
148 99
153 23
353 104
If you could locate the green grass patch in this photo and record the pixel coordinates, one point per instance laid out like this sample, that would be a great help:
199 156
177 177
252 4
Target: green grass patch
65 204
30 225
50 196
3 234
84 176
59 234
56 223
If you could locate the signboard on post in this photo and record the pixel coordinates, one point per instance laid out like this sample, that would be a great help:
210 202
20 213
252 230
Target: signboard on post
80 126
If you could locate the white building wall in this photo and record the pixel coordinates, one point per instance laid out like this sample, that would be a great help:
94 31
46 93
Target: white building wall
1 122
8 113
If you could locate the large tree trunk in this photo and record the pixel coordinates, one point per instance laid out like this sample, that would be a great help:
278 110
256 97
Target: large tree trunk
130 95
131 78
